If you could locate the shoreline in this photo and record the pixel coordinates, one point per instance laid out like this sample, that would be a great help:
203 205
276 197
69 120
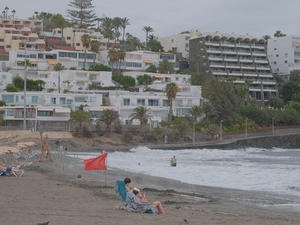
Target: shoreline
47 192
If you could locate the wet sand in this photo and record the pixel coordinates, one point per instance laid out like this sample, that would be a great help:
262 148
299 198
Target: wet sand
52 192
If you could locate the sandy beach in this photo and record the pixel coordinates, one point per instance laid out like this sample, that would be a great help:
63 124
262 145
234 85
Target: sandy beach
52 192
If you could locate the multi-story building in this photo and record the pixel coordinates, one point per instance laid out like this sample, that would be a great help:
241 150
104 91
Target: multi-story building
229 55
176 43
45 99
70 39
284 54
139 60
46 60
63 81
16 33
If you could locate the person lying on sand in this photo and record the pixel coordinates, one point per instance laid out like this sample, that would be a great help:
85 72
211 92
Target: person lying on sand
8 170
143 199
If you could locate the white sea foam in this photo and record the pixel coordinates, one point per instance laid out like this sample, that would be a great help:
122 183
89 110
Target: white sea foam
275 170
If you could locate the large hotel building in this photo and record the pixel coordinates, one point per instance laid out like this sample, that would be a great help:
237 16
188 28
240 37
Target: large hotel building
229 55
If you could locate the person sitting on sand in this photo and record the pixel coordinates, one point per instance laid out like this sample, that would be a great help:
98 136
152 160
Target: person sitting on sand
143 199
127 181
7 170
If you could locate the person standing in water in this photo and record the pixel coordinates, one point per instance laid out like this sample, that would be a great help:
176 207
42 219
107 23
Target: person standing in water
173 161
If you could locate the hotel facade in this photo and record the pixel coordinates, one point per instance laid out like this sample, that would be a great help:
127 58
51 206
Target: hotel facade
242 57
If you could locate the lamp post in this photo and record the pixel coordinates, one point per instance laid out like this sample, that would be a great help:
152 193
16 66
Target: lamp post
273 125
221 130
246 134
25 77
194 133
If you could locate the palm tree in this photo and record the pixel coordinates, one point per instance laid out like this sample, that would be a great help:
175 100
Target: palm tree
107 28
195 111
81 120
59 67
85 39
6 10
13 13
266 37
113 58
165 66
279 34
95 45
121 55
152 37
171 92
148 30
140 113
108 117
116 22
124 23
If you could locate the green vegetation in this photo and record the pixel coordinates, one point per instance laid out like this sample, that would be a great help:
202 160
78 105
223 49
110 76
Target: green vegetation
31 85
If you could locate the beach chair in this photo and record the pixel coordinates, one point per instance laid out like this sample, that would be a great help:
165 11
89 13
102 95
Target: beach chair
134 205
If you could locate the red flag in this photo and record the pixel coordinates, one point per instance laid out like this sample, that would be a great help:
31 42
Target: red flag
98 163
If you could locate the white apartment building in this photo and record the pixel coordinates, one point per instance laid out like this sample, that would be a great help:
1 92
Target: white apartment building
284 54
139 60
46 60
63 81
176 43
35 114
54 100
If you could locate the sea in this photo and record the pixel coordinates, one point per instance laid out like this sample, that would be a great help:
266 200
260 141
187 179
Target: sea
274 170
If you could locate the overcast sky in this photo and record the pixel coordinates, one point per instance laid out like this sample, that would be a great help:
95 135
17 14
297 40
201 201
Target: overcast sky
170 17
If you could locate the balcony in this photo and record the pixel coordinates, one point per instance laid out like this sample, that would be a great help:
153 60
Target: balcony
232 66
212 43
229 51
214 50
217 65
227 44
230 59
219 72
259 53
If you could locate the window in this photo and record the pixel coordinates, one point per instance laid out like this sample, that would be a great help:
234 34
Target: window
275 48
126 101
8 46
53 101
177 78
285 61
34 98
40 56
286 55
141 101
274 63
80 83
166 103
68 38
190 103
44 113
80 99
153 102
1 40
178 103
277 55
8 98
77 44
17 98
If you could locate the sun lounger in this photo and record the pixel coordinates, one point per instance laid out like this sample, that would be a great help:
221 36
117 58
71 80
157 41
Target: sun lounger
134 205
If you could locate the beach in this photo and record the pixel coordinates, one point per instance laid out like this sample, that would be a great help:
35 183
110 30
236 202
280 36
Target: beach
52 192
